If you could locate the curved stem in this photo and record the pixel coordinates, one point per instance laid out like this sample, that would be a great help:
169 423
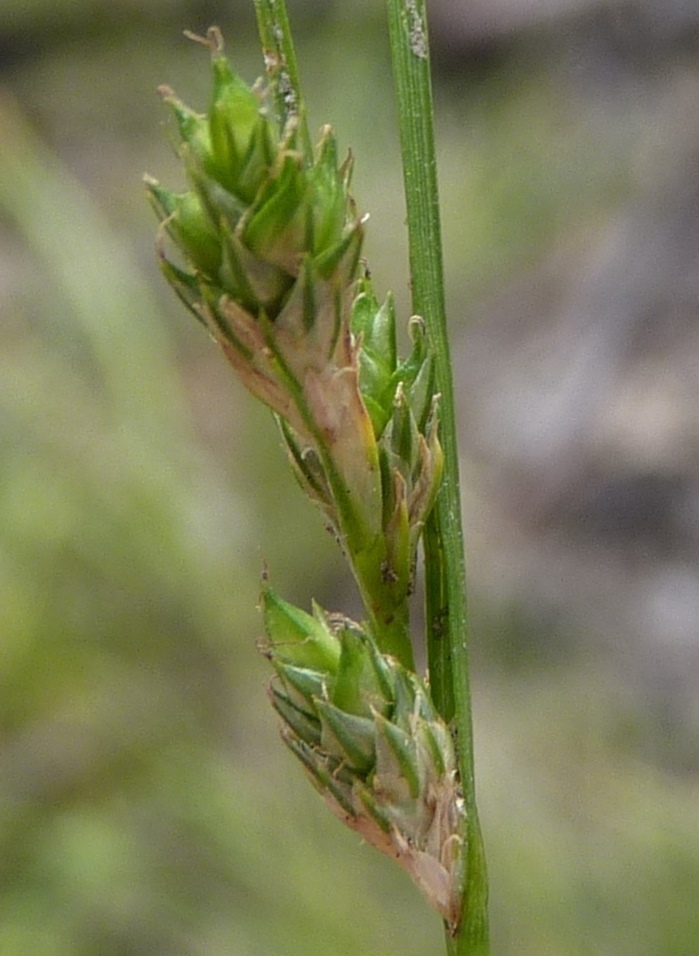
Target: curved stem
384 596
385 604
447 618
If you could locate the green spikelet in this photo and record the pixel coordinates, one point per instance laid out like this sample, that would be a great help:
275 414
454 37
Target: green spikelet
368 735
267 241
264 248
405 416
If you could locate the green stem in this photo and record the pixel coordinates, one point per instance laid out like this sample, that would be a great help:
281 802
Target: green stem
277 43
447 620
439 658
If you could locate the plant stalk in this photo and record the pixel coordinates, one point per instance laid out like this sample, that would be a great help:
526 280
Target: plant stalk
447 617
280 57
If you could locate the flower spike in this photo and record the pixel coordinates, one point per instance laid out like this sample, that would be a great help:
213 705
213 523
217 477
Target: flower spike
370 739
264 248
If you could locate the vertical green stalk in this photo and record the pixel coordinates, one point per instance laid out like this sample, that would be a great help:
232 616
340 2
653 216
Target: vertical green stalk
280 56
447 619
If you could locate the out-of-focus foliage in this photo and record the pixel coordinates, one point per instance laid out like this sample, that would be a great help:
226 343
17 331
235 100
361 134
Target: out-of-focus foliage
146 804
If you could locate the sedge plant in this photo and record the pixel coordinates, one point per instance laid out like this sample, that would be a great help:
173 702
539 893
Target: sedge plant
264 247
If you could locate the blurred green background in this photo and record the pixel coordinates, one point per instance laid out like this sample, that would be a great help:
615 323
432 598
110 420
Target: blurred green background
146 803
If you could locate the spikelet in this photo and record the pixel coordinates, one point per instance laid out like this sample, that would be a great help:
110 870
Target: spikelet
366 731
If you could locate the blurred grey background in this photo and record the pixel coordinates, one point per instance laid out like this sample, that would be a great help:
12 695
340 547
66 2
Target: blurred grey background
146 804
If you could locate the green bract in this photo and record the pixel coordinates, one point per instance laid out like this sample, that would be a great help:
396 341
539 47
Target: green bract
367 733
